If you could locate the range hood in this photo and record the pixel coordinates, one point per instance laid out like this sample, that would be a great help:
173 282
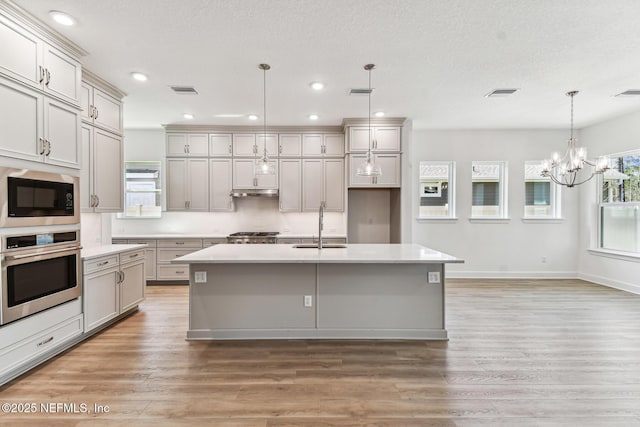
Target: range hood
254 192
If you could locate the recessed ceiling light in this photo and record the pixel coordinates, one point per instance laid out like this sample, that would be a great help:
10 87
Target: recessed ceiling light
62 18
252 117
188 116
139 76
317 86
313 117
379 114
222 116
500 93
630 92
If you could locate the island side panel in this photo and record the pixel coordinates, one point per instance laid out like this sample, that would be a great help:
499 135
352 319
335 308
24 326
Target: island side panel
250 297
381 297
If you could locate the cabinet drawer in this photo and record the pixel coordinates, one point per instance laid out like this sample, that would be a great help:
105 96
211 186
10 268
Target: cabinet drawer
148 242
166 255
13 356
211 242
173 272
127 257
103 263
180 243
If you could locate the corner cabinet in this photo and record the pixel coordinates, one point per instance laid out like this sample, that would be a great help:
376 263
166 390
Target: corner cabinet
113 285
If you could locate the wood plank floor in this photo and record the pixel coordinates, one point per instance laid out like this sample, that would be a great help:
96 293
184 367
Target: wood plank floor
521 353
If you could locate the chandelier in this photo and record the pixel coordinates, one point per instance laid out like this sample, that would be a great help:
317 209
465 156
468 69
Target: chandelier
368 167
573 168
263 165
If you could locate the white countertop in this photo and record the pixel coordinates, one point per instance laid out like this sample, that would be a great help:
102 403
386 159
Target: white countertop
103 250
287 254
220 236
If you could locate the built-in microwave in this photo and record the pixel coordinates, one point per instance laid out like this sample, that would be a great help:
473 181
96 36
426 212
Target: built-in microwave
31 198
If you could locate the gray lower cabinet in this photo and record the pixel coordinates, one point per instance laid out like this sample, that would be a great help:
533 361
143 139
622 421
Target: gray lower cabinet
169 249
113 285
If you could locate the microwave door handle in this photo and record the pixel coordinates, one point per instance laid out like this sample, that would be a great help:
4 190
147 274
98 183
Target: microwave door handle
54 251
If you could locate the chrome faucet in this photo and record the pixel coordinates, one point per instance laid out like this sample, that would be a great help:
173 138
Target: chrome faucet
320 223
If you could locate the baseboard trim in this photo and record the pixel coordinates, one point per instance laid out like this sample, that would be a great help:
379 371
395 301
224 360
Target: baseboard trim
512 274
616 284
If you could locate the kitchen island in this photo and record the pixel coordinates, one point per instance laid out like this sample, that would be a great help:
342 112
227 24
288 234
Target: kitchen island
372 291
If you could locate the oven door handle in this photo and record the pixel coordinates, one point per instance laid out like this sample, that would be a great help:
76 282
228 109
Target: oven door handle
31 255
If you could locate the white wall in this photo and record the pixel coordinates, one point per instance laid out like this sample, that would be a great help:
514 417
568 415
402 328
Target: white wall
251 214
613 136
511 249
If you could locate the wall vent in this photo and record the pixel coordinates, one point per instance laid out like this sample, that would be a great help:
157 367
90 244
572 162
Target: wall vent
496 93
360 91
630 92
184 90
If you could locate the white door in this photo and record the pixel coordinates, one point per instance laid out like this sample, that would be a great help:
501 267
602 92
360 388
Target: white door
312 184
312 145
197 144
176 184
198 185
220 185
132 285
269 182
359 138
271 145
244 144
21 53
108 183
86 102
220 145
334 145
86 178
176 144
21 119
243 173
108 111
387 139
63 74
290 145
354 180
390 165
333 174
62 131
101 297
290 185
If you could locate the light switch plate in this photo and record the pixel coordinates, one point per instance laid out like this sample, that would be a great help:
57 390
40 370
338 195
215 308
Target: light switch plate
308 301
200 276
434 277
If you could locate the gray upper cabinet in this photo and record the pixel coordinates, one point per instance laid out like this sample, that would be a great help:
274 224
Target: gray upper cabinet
187 145
220 145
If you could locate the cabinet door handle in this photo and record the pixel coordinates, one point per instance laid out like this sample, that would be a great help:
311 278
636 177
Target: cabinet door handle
42 149
97 201
41 72
48 143
279 149
122 276
48 78
47 341
91 201
185 204
184 149
96 113
230 149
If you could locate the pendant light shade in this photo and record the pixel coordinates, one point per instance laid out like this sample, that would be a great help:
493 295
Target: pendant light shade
263 166
369 167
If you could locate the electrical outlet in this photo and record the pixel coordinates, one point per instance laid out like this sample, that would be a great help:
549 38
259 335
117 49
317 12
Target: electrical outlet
200 276
308 301
434 277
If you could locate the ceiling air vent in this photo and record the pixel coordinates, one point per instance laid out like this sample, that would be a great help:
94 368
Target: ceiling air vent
184 90
500 93
630 92
364 91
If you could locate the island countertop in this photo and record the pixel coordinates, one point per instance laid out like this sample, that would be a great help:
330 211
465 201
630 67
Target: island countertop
288 254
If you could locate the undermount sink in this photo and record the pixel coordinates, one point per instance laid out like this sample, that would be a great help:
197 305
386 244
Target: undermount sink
315 246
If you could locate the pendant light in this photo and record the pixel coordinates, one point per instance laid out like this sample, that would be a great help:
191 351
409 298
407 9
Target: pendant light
263 166
573 168
368 167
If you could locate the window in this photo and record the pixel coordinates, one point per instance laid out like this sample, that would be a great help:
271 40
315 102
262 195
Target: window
620 204
142 190
489 195
437 190
542 197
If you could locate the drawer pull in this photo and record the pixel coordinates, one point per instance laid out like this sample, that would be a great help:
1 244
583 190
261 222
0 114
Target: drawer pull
133 256
100 264
179 243
47 341
180 272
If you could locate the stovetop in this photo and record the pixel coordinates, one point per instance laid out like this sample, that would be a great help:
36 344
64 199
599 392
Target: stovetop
254 234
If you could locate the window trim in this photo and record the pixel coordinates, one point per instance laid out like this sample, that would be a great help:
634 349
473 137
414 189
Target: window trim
503 207
451 192
555 196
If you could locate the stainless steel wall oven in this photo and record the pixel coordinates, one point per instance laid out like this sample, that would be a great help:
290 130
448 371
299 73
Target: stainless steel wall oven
39 271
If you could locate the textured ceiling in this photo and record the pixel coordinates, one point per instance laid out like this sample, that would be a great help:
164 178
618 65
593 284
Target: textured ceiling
436 59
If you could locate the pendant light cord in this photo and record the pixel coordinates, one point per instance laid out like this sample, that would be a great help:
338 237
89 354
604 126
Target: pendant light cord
264 108
572 95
